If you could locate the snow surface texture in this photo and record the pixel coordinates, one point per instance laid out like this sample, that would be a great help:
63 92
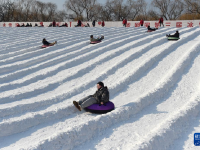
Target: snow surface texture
154 83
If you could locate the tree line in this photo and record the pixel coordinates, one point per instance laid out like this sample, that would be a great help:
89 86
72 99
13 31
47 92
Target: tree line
88 10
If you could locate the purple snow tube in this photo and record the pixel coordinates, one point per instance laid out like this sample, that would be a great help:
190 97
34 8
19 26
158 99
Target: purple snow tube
101 109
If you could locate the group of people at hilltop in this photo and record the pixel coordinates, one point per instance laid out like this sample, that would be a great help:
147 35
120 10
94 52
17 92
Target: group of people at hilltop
79 24
124 22
53 24
27 25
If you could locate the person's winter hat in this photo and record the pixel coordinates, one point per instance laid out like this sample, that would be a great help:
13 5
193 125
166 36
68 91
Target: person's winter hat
101 84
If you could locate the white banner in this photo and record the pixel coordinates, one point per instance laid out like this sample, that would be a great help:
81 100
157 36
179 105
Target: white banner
177 23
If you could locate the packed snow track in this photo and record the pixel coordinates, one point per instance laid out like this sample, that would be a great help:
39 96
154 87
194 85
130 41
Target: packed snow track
154 84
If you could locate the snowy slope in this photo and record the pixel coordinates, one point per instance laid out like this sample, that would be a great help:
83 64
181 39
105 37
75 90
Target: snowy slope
153 82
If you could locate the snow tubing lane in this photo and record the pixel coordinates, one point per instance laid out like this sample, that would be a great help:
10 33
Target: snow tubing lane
101 109
173 38
95 42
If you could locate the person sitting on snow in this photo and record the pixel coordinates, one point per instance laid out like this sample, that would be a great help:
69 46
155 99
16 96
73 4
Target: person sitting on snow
92 39
79 23
27 25
175 35
44 41
23 25
101 96
18 25
151 29
50 25
88 25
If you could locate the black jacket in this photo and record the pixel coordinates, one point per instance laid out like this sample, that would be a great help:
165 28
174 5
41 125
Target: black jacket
102 95
79 23
175 35
93 23
45 42
151 29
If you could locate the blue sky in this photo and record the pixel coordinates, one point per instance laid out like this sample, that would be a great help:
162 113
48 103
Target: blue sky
61 2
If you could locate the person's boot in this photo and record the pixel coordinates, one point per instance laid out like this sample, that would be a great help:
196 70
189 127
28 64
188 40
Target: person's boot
77 105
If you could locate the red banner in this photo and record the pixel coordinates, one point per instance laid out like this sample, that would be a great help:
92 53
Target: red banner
146 24
168 24
157 24
190 24
137 24
179 24
128 24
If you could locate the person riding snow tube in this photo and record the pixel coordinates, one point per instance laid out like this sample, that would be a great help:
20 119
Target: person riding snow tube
47 44
95 41
151 29
174 37
96 103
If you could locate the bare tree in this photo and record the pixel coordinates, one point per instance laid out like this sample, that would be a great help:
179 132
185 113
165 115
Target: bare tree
106 12
74 6
192 6
169 9
61 16
29 10
51 11
136 8
6 10
88 7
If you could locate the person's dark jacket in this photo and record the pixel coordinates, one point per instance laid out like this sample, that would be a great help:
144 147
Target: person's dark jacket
161 20
54 24
79 23
45 42
149 28
175 35
93 23
102 95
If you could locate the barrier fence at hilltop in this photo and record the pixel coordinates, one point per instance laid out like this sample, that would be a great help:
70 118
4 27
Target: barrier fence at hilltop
176 23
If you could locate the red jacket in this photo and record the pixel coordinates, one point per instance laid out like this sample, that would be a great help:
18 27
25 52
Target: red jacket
141 22
161 20
124 21
103 24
